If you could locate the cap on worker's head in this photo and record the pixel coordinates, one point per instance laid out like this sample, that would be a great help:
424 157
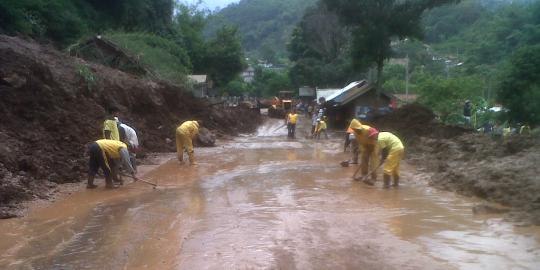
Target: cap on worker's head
196 123
467 101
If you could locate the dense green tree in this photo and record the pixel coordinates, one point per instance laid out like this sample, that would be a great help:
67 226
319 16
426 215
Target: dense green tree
447 96
376 23
65 21
318 49
268 83
225 57
520 88
189 23
58 20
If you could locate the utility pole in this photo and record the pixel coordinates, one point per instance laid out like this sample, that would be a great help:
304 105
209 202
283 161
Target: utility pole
407 80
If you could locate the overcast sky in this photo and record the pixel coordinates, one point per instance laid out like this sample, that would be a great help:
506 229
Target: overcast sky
213 4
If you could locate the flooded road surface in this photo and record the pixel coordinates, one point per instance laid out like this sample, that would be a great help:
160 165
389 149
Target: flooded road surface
263 202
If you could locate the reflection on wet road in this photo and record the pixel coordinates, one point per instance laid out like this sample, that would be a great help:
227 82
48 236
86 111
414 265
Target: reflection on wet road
262 202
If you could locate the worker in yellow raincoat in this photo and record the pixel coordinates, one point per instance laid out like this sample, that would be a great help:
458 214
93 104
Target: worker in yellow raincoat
107 155
321 128
185 134
110 126
290 121
368 149
392 148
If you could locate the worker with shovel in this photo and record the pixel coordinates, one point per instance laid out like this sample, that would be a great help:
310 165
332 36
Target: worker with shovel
393 151
105 154
185 134
368 150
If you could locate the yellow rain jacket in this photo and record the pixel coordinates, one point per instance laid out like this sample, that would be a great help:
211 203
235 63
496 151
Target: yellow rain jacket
113 150
362 138
111 147
321 126
368 147
393 144
111 126
184 138
292 118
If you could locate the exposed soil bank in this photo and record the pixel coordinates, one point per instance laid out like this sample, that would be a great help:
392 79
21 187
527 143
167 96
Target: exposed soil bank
502 171
52 105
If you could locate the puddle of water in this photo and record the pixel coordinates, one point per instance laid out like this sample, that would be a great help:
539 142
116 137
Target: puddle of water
265 202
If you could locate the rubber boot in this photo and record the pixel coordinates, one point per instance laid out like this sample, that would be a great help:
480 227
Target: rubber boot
181 158
109 182
192 159
387 179
396 181
355 158
90 184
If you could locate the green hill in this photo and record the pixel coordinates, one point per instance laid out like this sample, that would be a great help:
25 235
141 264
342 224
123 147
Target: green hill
265 26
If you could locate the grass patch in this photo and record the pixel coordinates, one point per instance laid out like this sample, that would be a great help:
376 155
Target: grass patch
167 60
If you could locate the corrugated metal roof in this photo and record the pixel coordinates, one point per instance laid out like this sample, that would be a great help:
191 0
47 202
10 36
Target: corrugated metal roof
325 93
351 92
344 90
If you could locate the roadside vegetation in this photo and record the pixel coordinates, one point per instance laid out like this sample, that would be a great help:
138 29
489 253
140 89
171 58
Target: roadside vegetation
478 50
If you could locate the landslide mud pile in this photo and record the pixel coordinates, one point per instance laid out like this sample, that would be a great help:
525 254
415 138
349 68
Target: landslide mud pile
413 121
52 105
503 171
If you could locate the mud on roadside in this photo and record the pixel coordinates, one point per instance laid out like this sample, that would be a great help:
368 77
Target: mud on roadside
52 105
501 171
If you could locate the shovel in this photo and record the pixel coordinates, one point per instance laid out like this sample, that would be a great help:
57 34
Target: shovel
280 127
142 180
365 176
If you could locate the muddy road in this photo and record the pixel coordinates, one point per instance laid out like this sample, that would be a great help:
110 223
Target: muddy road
263 202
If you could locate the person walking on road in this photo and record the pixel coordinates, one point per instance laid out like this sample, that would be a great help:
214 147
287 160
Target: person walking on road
350 140
392 148
105 154
292 119
368 149
185 134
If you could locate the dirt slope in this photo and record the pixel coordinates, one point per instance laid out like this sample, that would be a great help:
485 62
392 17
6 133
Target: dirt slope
50 109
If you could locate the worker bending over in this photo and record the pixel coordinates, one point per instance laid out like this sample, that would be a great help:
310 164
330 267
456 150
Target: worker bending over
185 134
291 120
393 150
107 155
368 149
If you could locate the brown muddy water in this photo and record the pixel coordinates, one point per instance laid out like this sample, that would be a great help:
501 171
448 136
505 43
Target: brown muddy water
264 202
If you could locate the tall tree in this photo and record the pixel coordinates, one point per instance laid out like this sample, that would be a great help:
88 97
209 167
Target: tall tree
318 49
376 23
520 89
225 56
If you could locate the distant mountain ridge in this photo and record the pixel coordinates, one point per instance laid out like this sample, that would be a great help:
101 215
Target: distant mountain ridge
264 25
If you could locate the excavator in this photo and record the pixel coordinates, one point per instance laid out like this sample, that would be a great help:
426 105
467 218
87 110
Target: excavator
281 104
